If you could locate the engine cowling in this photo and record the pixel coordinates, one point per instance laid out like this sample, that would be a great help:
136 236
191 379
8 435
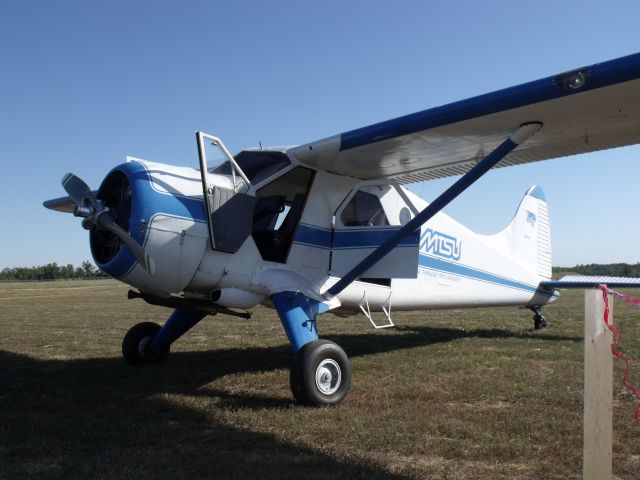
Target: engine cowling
161 207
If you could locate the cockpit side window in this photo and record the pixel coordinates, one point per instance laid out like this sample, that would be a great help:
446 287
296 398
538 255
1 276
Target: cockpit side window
364 209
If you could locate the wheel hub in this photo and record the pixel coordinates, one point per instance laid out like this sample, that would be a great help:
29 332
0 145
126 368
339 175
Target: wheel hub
328 376
142 348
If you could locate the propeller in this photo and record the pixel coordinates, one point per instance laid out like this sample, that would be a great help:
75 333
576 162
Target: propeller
97 214
76 188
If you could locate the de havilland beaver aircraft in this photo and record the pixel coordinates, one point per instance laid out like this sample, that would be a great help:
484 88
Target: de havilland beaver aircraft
328 227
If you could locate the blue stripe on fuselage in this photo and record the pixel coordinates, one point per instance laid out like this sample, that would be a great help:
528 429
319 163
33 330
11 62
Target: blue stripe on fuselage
350 238
313 236
432 263
371 238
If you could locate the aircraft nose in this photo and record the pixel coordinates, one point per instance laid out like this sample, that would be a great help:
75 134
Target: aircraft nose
113 241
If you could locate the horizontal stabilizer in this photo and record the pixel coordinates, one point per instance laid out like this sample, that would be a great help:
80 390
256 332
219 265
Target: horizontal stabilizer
590 281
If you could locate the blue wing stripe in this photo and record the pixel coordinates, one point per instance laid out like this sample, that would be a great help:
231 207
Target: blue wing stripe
596 76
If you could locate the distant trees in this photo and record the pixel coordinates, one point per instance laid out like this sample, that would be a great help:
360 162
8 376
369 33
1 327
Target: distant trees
612 269
51 271
88 269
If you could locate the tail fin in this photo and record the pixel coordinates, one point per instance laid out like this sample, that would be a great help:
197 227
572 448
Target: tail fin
527 239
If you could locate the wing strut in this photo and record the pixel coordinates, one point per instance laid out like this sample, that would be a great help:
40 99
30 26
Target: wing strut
523 134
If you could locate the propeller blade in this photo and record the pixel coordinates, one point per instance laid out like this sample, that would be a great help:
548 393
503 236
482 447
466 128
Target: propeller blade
75 187
62 204
105 220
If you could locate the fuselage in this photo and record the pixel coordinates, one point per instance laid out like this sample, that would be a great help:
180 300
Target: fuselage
308 228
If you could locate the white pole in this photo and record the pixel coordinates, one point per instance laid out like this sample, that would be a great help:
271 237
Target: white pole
598 380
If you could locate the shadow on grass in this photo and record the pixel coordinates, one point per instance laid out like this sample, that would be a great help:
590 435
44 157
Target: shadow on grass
410 337
97 418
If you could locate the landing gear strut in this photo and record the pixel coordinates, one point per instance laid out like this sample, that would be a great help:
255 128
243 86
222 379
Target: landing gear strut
539 320
321 371
148 342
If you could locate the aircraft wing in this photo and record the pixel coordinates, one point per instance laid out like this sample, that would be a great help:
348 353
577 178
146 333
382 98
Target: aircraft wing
587 109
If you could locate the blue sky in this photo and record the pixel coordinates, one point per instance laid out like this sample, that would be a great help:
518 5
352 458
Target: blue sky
85 83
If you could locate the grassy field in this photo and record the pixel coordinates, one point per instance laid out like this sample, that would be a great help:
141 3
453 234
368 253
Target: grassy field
455 394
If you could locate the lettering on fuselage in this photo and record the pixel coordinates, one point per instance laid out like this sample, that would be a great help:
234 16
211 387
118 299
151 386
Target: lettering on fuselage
440 244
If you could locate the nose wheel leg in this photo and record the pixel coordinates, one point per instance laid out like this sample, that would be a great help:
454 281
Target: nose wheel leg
148 342
539 320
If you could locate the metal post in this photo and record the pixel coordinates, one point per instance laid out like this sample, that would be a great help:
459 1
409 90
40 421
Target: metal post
598 378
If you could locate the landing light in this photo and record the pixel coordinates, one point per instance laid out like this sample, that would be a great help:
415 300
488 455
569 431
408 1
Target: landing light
571 80
576 80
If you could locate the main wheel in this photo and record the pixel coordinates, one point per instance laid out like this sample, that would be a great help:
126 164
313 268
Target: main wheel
539 322
135 342
320 374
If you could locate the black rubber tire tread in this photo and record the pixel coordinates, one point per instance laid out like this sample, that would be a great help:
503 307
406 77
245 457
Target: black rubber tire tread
303 383
131 343
295 379
539 322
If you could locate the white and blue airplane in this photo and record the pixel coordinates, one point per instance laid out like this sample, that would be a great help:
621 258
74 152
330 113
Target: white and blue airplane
329 227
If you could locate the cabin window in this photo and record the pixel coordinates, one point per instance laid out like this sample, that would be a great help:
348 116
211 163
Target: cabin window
364 209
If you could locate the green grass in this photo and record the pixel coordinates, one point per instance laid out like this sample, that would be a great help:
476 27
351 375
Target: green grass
451 394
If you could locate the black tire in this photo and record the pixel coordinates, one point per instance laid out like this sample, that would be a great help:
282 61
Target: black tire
539 322
320 374
295 379
135 340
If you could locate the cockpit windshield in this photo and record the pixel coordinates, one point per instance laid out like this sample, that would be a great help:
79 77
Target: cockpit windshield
257 165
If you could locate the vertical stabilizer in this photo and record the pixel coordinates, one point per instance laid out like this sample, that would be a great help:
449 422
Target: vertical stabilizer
527 239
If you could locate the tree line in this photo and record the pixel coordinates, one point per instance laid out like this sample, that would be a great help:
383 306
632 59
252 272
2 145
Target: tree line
612 269
51 271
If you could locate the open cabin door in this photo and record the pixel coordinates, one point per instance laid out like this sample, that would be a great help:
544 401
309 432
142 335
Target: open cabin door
225 205
368 216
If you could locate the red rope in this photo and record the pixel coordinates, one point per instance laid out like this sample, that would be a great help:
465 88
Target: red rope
616 339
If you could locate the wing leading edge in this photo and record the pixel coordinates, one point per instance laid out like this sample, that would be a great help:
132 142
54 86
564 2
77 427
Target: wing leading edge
584 110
